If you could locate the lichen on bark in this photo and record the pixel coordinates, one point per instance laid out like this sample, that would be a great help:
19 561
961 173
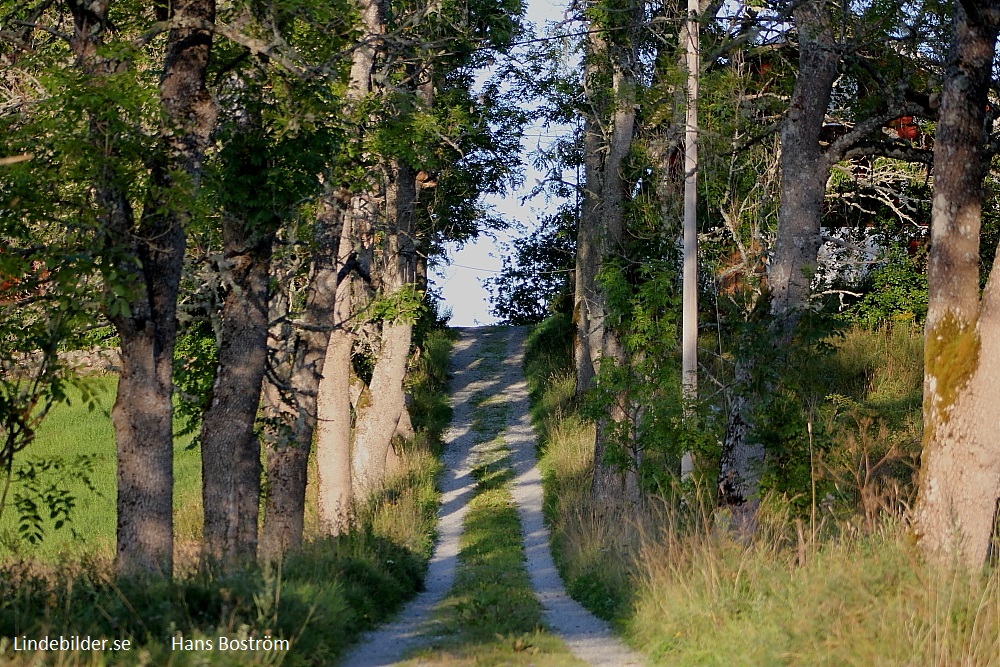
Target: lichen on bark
951 356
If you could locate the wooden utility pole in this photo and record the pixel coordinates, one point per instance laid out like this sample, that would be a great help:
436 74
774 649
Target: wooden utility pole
689 334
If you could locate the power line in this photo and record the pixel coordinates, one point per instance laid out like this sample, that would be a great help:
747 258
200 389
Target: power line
594 31
476 268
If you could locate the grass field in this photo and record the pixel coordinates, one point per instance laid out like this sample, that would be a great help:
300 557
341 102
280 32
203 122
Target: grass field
72 429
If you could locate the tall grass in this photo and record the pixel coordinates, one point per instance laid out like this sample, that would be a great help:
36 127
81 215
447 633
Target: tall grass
705 598
849 590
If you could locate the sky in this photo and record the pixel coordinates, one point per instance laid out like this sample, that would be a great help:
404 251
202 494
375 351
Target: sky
461 282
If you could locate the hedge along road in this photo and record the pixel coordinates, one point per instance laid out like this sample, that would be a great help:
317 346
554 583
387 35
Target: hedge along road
416 627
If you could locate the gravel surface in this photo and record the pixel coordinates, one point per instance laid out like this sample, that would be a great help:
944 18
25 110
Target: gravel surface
589 638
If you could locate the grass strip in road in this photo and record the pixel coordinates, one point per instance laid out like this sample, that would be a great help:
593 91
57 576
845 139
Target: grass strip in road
491 616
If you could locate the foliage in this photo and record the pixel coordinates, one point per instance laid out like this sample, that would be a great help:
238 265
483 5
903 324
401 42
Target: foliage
690 592
320 599
644 308
42 495
404 305
195 359
895 290
426 382
791 397
535 279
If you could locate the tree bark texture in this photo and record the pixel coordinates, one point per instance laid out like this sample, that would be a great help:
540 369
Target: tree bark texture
378 417
149 254
142 416
230 450
333 406
290 393
960 465
333 437
805 168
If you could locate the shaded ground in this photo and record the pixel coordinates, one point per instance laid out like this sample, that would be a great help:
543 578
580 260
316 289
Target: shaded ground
486 369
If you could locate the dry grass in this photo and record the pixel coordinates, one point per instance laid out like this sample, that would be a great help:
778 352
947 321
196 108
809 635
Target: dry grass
706 598
850 589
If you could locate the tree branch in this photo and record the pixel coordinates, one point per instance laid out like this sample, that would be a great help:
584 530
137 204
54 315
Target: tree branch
890 149
43 28
839 147
14 159
269 50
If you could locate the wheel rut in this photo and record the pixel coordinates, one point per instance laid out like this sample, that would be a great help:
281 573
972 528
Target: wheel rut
587 637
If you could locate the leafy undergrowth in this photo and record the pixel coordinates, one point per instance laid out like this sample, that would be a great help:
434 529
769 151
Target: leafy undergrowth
849 590
319 599
491 615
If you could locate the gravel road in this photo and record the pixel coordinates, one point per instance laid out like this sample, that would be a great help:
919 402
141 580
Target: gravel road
589 638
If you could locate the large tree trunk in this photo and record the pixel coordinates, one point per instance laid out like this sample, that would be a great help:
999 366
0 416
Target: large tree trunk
805 168
960 467
149 256
290 393
230 450
599 237
378 417
610 62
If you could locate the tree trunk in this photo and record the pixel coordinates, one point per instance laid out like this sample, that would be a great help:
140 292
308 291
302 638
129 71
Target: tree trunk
586 341
333 406
291 391
379 416
960 467
149 256
377 419
230 451
805 168
333 437
610 480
